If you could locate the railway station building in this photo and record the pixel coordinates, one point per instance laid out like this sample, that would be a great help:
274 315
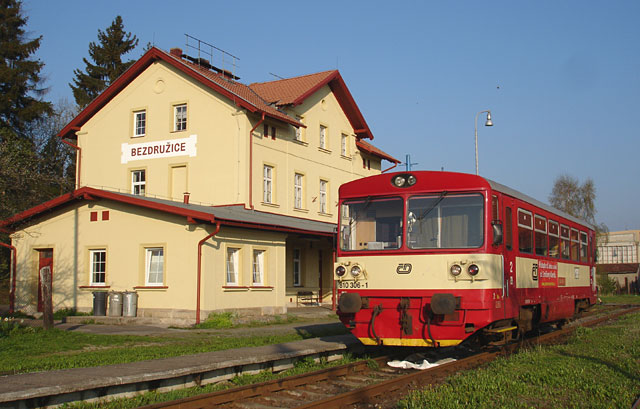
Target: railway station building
618 259
198 192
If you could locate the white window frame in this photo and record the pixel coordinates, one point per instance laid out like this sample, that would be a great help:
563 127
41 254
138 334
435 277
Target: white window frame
298 190
323 195
93 264
232 266
323 137
267 188
258 267
138 187
139 123
297 264
158 273
297 132
180 117
343 145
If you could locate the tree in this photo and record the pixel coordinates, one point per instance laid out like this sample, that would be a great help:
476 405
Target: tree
578 200
107 62
20 81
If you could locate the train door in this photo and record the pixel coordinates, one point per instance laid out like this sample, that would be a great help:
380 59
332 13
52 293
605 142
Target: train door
511 305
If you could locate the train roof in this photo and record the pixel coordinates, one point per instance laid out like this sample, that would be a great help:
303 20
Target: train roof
454 180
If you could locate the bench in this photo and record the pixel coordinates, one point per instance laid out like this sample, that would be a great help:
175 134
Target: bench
306 298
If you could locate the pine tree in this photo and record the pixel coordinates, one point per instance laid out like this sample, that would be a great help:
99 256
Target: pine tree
107 62
20 79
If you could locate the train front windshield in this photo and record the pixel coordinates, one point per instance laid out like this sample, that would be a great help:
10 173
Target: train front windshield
434 221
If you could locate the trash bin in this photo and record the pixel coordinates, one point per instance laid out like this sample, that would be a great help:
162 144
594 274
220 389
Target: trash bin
130 304
100 303
115 304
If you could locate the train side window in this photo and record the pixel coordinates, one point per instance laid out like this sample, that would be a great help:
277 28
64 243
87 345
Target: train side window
525 231
583 247
508 227
554 239
575 245
540 235
494 207
564 242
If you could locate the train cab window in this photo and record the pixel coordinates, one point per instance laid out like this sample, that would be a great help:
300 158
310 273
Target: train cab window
554 239
575 245
508 228
584 247
540 235
495 214
564 242
525 231
445 221
371 224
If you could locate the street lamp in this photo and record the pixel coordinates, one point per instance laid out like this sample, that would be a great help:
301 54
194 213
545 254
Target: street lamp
488 123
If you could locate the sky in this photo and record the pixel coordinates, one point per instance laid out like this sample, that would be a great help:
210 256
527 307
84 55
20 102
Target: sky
561 78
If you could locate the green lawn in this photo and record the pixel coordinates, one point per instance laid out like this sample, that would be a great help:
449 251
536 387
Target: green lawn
621 299
598 368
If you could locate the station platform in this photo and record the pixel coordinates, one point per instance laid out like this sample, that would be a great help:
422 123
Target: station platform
54 388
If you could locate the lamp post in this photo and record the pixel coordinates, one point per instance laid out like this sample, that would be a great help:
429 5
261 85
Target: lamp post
488 123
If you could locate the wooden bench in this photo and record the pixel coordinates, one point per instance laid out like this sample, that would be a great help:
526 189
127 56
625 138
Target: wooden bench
306 298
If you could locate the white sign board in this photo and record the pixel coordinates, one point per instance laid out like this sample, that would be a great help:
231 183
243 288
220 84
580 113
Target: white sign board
159 149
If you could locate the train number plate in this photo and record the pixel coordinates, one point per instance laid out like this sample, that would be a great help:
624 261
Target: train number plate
352 284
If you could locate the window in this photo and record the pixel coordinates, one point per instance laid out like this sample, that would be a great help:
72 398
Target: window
297 191
371 224
154 266
273 133
323 196
298 130
554 239
180 117
258 267
343 144
296 267
139 123
98 266
232 266
540 235
268 184
564 242
138 182
323 137
584 247
575 245
525 231
508 228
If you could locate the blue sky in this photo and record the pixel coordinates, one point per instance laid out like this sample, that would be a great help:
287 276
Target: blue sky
562 78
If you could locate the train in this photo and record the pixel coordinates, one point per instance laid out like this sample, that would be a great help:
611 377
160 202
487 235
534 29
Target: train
435 258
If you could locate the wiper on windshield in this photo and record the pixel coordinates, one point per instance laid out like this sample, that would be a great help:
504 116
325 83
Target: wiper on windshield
433 206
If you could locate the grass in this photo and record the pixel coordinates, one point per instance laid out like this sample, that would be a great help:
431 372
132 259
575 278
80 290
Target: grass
598 368
226 320
621 299
29 349
150 398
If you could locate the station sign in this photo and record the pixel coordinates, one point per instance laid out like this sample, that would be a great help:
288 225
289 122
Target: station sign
159 149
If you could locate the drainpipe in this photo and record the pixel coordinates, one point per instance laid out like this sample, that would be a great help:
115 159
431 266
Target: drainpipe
78 161
388 169
12 292
251 161
200 243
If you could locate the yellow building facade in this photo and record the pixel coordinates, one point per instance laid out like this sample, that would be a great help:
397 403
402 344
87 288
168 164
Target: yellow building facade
198 193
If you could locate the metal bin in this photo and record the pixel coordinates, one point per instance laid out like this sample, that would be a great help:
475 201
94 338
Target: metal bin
100 303
115 304
130 304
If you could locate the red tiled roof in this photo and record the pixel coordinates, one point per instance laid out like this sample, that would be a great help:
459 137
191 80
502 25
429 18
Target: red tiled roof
367 147
291 90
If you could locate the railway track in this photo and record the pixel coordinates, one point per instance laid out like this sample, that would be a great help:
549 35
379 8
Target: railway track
362 384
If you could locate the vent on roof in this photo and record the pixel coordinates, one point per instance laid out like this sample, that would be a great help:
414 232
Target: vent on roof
201 49
176 52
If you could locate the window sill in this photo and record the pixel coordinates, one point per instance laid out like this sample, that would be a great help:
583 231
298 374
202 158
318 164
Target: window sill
295 209
270 204
151 287
324 150
138 136
178 131
236 288
94 287
261 288
325 214
346 157
303 143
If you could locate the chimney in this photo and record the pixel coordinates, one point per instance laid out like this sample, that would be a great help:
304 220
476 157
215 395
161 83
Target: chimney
176 52
186 198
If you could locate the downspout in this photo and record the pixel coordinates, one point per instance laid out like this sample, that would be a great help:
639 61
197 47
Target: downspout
200 243
78 160
388 169
12 292
251 161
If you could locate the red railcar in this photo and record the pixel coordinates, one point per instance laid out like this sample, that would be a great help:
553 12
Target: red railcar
432 258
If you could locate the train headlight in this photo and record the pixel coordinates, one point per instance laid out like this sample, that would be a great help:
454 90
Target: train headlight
340 271
455 270
356 271
399 181
411 180
473 270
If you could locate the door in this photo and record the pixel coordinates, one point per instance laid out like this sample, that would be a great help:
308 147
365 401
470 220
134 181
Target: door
511 307
45 261
178 182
